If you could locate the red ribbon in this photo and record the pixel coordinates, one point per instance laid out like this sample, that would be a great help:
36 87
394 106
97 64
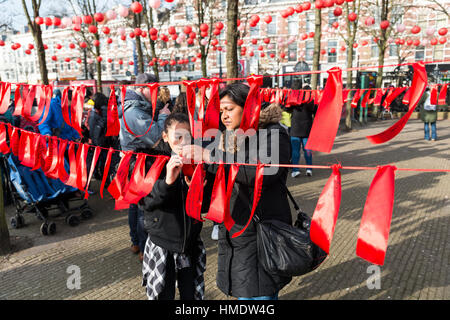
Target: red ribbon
442 95
252 107
153 175
227 219
52 161
418 86
26 111
195 194
379 97
190 99
326 121
4 148
81 166
113 125
48 99
356 98
18 100
256 196
212 116
218 197
345 95
91 171
392 95
77 108
26 142
434 94
5 97
119 182
376 220
14 141
62 173
406 97
365 99
72 179
106 170
131 193
325 215
65 105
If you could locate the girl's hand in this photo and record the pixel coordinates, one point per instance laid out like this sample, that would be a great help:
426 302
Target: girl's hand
173 169
195 154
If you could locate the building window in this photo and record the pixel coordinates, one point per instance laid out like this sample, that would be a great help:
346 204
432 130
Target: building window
191 65
292 52
293 25
220 58
438 52
420 53
309 51
374 50
68 67
310 22
272 27
393 50
441 21
189 13
254 32
332 56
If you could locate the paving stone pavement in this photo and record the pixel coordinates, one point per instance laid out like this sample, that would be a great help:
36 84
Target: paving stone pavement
417 260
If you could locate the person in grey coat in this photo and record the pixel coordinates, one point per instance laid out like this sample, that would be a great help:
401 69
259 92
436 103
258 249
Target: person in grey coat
137 111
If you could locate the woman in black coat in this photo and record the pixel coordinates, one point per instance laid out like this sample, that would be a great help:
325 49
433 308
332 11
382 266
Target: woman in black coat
240 274
301 124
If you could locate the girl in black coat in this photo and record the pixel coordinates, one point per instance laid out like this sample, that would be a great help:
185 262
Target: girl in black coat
174 249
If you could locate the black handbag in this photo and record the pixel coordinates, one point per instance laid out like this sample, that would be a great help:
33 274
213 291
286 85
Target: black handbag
287 250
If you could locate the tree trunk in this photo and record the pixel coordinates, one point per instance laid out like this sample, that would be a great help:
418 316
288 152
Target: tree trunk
41 55
232 35
316 55
99 70
204 58
140 55
5 244
348 106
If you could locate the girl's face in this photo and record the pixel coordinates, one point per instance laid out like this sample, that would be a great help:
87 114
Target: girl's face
177 135
230 113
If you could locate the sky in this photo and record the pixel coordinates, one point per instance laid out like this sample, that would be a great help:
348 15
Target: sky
12 10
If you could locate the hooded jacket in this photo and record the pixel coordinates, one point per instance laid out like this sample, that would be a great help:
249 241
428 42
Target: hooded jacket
239 272
302 119
138 115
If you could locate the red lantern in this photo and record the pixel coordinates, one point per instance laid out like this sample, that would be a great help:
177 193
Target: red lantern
76 27
384 24
402 41
120 62
364 43
67 59
254 41
355 45
415 29
136 7
153 32
311 34
187 29
306 6
203 27
72 46
272 55
54 58
77 20
266 40
434 41
109 41
416 42
99 59
45 47
58 46
240 42
262 54
151 63
238 22
106 30
109 60
28 51
442 31
137 31
219 48
219 25
214 48
397 41
442 40
39 20
2 43
203 34
282 55
144 34
255 18
332 50
154 38
284 15
214 42
323 51
193 59
319 4
260 48
199 55
343 48
171 30
79 60
339 2
92 29
190 41
87 19
192 35
304 36
96 43
48 21
132 35
251 54
298 8
337 11
99 17
216 32
369 21
290 11
174 36
83 44
267 19
409 42
131 63
31 46
56 21
335 25
328 3
352 16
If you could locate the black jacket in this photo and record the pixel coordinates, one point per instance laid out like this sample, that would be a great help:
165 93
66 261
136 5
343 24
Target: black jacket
302 119
239 272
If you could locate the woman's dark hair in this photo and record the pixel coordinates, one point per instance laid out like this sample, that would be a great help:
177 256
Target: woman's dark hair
100 100
180 104
175 117
237 92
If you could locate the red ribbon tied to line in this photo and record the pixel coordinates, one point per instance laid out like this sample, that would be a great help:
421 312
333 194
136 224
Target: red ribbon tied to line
325 215
376 220
195 194
252 107
418 87
216 210
113 125
326 121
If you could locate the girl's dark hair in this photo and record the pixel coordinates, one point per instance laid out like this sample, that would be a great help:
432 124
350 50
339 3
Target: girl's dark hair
180 104
175 117
100 100
237 92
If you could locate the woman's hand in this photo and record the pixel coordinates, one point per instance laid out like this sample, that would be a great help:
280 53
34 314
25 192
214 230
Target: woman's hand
195 153
173 169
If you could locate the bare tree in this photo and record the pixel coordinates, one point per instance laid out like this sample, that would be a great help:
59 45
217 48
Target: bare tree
37 36
440 5
316 53
232 37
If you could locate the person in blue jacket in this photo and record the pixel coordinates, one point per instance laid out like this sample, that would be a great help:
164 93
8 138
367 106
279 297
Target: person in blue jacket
54 124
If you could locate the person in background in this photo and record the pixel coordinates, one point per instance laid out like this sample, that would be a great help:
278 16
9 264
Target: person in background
180 105
164 97
54 124
138 115
301 123
428 114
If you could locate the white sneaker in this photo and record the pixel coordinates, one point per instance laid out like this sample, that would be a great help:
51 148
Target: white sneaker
295 174
215 232
309 173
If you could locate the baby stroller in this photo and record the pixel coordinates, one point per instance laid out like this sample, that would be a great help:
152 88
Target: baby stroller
33 192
